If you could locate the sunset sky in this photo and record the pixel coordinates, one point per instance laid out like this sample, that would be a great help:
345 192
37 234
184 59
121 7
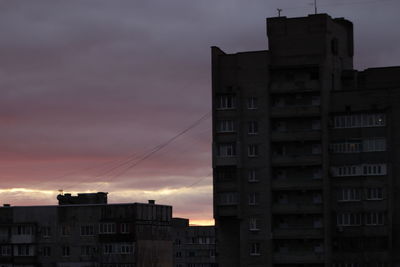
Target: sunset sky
88 87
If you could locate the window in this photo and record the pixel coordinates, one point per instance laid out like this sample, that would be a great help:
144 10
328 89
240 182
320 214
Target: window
227 198
23 230
46 231
347 147
253 224
252 103
252 150
252 127
359 120
124 228
255 249
316 149
348 194
24 250
226 150
126 248
316 100
374 145
225 173
225 126
87 250
107 228
65 230
316 125
5 250
46 251
374 194
360 170
226 102
87 230
252 175
65 251
348 219
253 199
374 218
317 173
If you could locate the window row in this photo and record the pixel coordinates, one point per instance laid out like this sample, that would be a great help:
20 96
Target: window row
228 101
359 120
359 170
228 126
90 229
357 146
356 194
358 219
356 264
229 150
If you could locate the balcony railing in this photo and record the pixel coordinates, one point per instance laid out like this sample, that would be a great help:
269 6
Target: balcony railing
297 160
295 136
296 184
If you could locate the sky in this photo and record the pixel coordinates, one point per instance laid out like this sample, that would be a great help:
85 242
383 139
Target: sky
90 88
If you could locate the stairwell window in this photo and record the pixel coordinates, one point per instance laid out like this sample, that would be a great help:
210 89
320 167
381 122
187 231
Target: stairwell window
255 249
252 151
252 176
226 102
252 127
253 224
252 103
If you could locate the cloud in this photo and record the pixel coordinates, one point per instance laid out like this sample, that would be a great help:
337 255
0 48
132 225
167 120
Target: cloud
86 84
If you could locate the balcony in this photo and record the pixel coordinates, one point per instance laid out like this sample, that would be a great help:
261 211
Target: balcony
297 257
295 136
301 111
298 233
296 184
22 239
296 208
294 87
362 231
225 161
297 160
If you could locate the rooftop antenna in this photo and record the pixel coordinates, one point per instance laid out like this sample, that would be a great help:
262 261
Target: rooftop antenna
279 11
315 7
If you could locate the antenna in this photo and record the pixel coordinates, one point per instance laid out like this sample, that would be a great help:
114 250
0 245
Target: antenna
279 11
315 7
61 191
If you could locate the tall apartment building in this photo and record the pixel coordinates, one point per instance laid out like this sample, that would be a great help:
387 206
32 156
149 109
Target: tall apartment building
306 151
194 246
85 231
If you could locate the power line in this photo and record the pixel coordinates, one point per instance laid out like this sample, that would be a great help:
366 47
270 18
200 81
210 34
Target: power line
148 154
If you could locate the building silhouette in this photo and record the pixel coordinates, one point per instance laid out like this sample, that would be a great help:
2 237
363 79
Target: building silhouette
194 246
306 154
84 231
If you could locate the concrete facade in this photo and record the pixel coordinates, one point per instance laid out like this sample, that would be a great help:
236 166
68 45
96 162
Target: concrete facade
194 246
82 234
305 151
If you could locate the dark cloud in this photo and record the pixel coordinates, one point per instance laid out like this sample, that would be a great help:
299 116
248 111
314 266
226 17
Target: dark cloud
85 84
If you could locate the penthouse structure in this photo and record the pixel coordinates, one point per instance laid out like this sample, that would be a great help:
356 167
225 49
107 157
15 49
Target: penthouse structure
305 151
85 231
